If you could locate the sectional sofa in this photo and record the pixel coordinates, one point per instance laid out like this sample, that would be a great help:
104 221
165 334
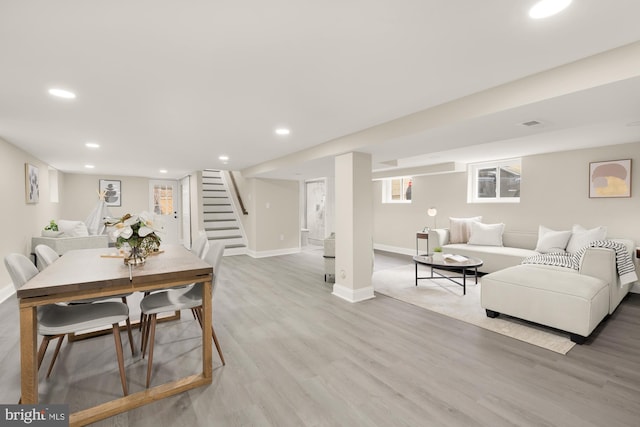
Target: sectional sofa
574 300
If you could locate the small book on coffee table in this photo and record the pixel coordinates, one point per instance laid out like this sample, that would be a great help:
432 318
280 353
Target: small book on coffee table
453 257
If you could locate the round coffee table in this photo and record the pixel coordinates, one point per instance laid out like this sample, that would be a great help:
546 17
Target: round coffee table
449 262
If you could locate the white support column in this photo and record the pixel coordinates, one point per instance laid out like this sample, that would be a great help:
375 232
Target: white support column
354 227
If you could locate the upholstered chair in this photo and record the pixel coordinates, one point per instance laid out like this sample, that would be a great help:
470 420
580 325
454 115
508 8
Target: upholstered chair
179 299
55 321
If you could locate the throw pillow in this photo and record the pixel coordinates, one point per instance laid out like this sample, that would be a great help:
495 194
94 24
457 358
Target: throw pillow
486 234
581 237
459 229
551 241
73 228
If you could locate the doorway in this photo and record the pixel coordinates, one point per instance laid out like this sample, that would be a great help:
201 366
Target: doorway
164 204
315 196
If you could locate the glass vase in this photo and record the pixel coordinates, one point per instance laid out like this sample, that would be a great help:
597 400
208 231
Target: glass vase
135 255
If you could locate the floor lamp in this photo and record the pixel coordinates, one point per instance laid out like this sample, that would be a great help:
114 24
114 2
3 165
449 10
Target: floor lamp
433 212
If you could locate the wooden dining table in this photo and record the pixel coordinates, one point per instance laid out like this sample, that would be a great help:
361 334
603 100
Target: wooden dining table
89 273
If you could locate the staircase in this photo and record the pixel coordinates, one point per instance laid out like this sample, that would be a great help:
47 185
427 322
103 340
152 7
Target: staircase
221 220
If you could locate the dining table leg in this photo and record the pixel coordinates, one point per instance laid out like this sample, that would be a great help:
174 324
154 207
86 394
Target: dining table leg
28 358
207 340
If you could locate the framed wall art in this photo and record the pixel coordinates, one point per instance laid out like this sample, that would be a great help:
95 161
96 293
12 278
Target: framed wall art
112 191
32 183
611 178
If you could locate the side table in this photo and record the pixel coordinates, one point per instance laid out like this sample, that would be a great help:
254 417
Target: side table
422 235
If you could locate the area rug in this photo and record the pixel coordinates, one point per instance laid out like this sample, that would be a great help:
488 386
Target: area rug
445 297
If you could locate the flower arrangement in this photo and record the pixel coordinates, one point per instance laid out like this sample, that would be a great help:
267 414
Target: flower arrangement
136 233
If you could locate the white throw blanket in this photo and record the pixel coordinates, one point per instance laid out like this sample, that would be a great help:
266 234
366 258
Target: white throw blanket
624 263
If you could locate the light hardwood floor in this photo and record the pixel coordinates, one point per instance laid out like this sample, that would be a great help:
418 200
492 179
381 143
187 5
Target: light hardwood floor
298 356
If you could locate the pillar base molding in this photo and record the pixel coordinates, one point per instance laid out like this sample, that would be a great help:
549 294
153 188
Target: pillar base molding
353 295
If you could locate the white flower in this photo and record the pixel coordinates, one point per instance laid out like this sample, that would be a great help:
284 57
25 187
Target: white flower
121 230
144 231
133 219
147 226
134 229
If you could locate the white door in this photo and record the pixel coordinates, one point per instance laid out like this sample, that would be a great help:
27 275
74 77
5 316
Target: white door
186 212
164 204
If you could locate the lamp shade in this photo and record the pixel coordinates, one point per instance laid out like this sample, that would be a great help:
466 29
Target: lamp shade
432 211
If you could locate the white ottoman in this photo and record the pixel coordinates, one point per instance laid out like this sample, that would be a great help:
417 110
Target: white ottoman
559 298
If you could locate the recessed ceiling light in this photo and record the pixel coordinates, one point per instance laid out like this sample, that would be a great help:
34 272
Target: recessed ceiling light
61 93
283 131
89 166
163 171
546 8
223 158
92 145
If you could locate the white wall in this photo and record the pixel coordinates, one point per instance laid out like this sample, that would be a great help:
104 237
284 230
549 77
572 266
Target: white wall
81 195
272 225
21 221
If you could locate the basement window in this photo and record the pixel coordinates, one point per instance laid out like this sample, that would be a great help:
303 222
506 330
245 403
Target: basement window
397 190
494 182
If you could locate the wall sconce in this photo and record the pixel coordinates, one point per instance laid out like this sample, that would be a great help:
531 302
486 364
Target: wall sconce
433 212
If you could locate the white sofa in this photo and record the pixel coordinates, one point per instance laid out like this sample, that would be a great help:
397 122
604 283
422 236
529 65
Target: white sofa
517 247
575 301
73 235
64 244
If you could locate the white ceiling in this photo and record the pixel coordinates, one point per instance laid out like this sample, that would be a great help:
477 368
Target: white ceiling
175 84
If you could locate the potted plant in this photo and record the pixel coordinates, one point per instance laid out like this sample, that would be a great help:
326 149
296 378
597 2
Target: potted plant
51 230
437 253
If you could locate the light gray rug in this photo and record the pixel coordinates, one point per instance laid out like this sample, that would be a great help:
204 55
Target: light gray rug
446 298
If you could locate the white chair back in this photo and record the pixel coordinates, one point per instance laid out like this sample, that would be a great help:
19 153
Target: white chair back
46 255
20 269
200 245
214 257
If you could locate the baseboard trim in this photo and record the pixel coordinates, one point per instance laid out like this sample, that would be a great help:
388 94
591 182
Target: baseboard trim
277 252
394 249
353 295
6 292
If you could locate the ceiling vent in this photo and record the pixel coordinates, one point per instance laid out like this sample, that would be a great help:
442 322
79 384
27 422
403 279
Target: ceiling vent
532 123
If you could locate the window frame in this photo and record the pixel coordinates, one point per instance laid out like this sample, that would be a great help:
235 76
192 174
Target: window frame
472 186
387 188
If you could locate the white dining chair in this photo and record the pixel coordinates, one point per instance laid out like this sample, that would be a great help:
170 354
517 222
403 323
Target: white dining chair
199 247
179 299
46 256
55 321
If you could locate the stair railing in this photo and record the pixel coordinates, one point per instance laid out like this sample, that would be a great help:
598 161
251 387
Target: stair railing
235 189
